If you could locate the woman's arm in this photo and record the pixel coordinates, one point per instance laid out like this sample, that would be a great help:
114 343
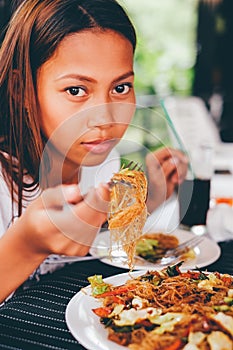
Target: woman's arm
17 261
58 222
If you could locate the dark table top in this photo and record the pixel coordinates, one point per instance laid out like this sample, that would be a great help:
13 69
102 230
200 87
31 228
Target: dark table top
35 318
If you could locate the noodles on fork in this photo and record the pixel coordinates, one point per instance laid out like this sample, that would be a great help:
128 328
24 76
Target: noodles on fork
128 210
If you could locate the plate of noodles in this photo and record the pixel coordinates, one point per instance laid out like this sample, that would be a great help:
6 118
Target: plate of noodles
204 254
166 309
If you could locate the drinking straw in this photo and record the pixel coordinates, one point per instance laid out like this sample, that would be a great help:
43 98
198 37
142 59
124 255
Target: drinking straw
178 139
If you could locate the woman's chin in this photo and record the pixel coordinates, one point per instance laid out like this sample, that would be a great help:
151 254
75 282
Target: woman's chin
93 159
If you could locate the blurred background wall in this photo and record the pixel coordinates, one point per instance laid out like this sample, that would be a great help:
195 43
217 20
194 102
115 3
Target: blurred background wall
166 49
185 47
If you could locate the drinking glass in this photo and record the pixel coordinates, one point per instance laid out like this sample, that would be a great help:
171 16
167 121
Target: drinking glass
194 192
194 199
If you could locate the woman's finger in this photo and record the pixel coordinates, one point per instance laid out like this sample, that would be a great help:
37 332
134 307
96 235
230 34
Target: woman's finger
81 222
153 165
58 196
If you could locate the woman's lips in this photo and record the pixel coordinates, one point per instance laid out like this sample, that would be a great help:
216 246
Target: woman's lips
98 146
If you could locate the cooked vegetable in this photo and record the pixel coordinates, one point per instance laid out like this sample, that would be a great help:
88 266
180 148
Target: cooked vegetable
170 310
98 285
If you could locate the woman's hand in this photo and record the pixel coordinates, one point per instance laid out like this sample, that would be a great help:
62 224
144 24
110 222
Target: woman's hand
166 168
60 221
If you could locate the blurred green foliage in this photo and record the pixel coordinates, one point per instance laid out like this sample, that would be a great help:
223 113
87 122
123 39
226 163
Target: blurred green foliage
166 50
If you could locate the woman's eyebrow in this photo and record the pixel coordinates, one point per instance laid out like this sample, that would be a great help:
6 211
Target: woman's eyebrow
75 76
123 76
92 80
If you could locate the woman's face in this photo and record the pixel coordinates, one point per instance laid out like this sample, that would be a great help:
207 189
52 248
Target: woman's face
86 95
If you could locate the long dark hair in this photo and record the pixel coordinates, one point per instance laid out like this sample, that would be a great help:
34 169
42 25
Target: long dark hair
35 31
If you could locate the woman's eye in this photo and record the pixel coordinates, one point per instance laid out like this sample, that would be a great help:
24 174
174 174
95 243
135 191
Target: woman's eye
122 89
76 91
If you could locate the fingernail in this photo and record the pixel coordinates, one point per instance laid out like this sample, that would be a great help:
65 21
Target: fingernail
184 158
174 160
70 189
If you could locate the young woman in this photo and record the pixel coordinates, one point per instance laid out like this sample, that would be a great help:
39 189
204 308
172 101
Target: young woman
66 99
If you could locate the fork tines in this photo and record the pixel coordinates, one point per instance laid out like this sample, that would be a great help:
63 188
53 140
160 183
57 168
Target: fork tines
133 166
184 247
123 182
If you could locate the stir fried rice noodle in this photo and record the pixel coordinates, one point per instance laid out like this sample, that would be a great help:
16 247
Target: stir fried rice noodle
128 210
170 310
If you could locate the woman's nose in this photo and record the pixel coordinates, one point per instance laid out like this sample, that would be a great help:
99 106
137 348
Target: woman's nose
101 115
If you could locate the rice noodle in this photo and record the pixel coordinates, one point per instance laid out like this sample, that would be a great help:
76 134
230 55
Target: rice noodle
194 295
128 210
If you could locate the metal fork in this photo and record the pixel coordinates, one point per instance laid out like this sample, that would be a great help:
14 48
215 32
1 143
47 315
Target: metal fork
131 166
184 247
125 187
170 256
72 259
173 255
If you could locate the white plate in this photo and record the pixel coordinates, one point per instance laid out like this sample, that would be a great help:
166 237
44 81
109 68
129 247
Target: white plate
206 252
84 324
